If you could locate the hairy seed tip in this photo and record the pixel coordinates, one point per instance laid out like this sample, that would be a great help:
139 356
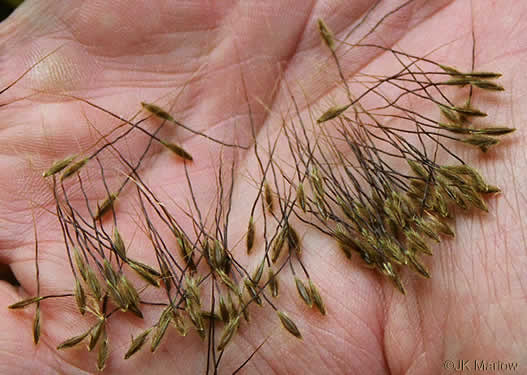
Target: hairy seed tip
288 324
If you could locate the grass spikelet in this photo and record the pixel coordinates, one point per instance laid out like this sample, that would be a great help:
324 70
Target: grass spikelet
228 281
81 265
24 303
111 276
422 225
74 168
192 289
159 332
417 168
224 312
288 324
80 297
257 275
317 298
36 325
462 81
116 296
450 115
118 244
496 131
468 111
137 343
484 75
300 197
103 353
195 317
130 297
219 255
59 166
147 273
157 111
245 310
95 334
293 241
491 189
278 244
187 252
105 206
482 141
250 235
94 284
228 333
416 243
303 292
450 70
178 150
71 342
414 262
487 85
179 323
388 270
326 34
344 241
252 291
273 282
268 196
332 112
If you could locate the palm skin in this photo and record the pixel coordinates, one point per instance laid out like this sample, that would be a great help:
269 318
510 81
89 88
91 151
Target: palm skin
120 53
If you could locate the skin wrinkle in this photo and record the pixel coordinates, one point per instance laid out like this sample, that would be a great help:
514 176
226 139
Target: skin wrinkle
420 323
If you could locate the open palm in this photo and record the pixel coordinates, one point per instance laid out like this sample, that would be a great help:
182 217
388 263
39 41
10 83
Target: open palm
193 55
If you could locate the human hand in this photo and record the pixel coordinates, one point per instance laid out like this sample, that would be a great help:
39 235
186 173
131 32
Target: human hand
193 56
